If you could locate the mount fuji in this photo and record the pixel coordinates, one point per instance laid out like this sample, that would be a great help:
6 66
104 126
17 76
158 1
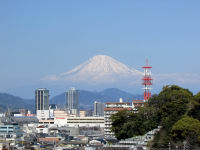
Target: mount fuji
99 70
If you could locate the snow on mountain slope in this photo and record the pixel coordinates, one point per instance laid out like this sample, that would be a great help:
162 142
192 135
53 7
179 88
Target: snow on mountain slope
99 69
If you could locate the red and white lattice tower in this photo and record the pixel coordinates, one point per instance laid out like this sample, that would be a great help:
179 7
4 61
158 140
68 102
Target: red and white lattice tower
147 81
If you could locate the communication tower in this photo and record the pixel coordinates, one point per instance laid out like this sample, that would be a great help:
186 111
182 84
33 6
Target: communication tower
147 81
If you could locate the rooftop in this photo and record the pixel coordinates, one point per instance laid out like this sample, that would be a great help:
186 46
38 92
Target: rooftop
117 102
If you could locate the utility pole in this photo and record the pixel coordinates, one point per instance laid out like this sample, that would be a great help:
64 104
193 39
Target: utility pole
184 145
169 146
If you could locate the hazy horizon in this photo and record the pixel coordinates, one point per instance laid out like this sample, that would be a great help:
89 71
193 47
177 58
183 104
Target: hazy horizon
43 38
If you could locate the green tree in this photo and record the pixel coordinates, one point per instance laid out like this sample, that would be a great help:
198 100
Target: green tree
126 124
195 110
118 121
187 129
172 103
167 109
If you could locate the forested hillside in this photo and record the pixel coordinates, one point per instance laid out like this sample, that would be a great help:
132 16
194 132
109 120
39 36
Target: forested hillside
176 109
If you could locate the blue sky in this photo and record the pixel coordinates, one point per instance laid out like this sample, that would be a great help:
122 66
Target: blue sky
40 38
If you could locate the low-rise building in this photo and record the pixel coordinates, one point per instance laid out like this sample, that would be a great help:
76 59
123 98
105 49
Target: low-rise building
137 104
82 113
10 131
85 121
47 121
42 129
42 114
60 114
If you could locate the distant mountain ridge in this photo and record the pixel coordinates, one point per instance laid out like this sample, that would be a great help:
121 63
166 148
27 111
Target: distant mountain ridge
87 98
8 101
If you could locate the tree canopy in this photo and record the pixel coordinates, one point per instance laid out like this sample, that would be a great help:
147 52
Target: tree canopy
170 108
186 129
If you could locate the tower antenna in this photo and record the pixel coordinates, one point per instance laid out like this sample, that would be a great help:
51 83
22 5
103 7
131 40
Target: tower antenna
147 81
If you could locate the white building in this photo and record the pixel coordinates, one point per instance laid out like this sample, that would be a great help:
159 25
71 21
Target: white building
85 121
80 121
52 108
30 128
46 121
61 118
42 114
112 108
42 129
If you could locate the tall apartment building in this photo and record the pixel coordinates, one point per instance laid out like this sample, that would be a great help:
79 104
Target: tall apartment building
72 101
112 108
42 103
98 108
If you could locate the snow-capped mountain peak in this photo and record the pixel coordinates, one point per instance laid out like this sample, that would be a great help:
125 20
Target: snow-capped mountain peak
102 64
99 69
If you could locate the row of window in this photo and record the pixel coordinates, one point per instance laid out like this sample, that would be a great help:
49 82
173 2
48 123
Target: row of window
85 122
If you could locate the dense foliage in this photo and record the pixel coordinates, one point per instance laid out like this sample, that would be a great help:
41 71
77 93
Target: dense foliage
188 129
174 108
